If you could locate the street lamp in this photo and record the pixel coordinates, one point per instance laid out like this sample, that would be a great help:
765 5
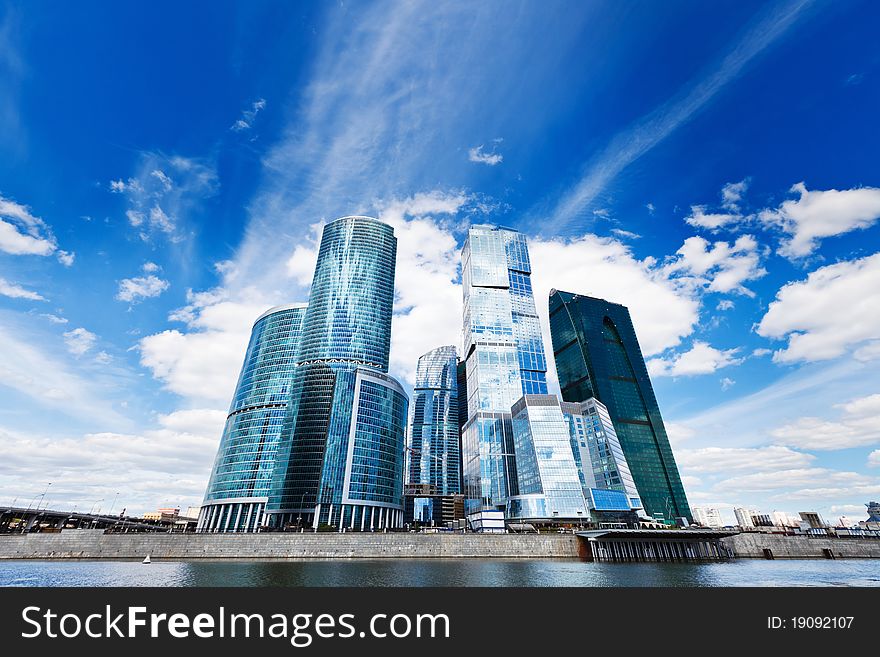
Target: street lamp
44 494
110 512
94 505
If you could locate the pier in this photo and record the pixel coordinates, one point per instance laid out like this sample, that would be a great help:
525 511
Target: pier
631 545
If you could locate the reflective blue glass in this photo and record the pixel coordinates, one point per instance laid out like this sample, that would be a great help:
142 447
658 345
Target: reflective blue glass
597 355
544 461
340 460
240 479
596 448
434 451
504 358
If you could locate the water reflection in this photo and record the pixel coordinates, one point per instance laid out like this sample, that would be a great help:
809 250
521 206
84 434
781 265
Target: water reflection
440 572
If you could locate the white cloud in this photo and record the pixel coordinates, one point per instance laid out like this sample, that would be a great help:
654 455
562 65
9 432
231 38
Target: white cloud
826 314
871 351
798 482
79 341
874 459
55 319
819 214
753 459
719 267
758 353
66 258
14 291
21 233
151 268
202 363
164 180
678 433
163 192
427 259
169 463
132 290
603 267
727 383
476 154
724 304
247 116
858 426
701 358
625 234
732 193
699 218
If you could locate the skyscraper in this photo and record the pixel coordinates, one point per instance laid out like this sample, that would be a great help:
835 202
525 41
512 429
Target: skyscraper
598 355
548 484
340 459
597 451
237 491
504 358
435 454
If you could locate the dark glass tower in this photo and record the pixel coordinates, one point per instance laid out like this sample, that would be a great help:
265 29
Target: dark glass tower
235 499
341 456
598 355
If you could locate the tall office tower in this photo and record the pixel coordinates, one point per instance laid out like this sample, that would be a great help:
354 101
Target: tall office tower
548 484
707 516
597 451
504 359
237 491
341 456
434 444
598 355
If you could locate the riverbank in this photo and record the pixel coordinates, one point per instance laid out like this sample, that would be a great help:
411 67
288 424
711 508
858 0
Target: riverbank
94 544
754 545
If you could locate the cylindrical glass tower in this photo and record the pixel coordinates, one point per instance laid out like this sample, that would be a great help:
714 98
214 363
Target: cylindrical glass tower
340 461
239 485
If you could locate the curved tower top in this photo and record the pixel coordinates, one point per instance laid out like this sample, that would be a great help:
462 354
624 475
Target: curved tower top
350 306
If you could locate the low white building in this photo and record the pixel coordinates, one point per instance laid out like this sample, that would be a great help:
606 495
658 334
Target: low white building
707 516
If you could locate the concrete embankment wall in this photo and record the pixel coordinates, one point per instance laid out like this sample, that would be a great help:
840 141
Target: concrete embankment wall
94 544
753 544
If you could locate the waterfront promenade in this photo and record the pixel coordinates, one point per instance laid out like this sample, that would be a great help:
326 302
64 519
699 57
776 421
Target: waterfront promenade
95 544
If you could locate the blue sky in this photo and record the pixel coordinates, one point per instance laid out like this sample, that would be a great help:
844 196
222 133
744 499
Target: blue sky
166 170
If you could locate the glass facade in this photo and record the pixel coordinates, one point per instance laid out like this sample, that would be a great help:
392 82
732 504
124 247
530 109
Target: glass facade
549 487
598 355
434 446
237 491
504 359
597 451
340 459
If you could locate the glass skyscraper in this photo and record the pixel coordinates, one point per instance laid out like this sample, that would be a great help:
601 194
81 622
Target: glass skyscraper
435 454
597 451
548 483
237 491
598 355
341 456
504 359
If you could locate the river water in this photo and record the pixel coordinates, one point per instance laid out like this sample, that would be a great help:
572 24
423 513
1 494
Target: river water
439 572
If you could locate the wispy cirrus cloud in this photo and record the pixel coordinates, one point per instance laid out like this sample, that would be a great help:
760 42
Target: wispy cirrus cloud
8 289
639 138
246 122
162 193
